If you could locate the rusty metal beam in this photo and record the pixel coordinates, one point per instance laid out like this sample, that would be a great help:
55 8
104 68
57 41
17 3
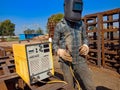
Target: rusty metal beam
105 13
100 27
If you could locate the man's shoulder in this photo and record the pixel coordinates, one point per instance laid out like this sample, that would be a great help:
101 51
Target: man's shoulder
61 23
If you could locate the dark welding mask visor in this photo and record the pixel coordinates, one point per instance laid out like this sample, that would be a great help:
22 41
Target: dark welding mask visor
77 6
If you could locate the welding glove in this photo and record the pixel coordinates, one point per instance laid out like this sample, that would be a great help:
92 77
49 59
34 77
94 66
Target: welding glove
84 49
64 55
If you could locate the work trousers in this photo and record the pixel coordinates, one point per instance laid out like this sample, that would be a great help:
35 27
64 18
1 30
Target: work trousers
82 72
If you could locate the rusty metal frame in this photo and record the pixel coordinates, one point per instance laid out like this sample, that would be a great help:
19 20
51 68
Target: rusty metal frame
104 55
7 68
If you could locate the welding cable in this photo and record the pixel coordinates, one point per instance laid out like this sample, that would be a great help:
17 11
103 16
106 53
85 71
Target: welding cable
57 81
72 72
60 81
54 81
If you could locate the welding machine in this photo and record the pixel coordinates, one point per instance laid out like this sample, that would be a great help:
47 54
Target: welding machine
33 62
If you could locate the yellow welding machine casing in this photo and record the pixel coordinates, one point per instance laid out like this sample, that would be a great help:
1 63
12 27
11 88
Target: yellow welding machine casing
33 62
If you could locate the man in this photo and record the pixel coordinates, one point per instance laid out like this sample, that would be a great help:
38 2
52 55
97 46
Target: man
71 44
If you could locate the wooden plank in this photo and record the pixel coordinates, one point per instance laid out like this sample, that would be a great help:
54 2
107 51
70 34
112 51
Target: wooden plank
112 61
50 86
6 70
111 41
3 85
110 30
93 50
7 67
4 57
10 76
111 21
105 13
8 62
92 58
91 41
54 86
110 52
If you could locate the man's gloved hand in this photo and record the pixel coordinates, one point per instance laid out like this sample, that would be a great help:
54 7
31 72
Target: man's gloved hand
84 49
64 55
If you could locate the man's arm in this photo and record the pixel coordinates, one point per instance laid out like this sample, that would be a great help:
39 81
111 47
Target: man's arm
56 38
60 52
84 35
84 49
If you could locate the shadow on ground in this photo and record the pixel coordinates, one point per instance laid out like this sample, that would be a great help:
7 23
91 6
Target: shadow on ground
102 88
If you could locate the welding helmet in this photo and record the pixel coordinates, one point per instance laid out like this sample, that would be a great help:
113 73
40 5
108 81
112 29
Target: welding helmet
73 10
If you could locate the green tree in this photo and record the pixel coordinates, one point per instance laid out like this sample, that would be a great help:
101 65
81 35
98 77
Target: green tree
7 28
53 20
39 31
29 31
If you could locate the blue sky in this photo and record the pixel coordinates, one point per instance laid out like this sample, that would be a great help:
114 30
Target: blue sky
34 13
